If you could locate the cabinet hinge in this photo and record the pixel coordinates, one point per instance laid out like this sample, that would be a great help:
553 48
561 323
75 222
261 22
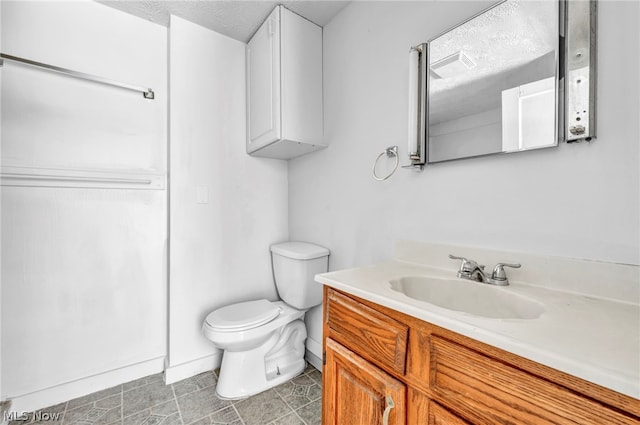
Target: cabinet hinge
324 358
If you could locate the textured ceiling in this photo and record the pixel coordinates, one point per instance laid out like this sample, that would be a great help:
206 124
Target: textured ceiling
238 19
512 44
505 37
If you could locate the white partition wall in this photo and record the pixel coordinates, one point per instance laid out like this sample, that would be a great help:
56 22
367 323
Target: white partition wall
83 267
226 207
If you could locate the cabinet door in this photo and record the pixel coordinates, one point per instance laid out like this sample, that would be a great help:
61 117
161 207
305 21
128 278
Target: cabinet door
263 84
301 70
357 392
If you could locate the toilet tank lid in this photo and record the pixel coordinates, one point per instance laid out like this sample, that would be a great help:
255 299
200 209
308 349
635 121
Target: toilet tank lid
299 250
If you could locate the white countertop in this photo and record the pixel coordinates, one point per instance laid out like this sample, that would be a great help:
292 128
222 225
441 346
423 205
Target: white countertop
596 339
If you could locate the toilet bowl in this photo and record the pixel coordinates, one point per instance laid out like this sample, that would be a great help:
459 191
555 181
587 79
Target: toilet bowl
249 334
264 341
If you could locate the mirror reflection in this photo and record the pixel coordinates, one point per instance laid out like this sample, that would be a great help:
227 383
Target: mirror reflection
492 83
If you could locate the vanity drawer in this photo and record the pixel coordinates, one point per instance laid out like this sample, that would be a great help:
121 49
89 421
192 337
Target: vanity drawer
489 391
368 332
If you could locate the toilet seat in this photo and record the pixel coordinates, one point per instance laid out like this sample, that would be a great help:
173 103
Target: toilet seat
243 316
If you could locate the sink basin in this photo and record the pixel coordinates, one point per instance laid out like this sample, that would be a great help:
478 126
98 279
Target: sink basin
478 299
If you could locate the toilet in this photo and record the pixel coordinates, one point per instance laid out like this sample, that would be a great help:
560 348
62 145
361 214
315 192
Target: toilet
264 341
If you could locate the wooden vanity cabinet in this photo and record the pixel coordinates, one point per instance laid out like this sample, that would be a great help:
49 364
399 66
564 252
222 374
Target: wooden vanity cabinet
438 377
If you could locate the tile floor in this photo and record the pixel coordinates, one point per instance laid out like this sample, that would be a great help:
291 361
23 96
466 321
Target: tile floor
148 401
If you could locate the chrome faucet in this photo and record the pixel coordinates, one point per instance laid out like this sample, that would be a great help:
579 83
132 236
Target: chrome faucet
471 270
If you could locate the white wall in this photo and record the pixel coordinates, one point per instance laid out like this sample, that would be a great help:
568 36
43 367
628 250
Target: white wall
83 269
79 123
2 398
219 250
578 200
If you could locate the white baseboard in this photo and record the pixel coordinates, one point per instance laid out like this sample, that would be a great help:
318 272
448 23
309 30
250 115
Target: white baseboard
191 368
314 347
314 353
313 360
57 394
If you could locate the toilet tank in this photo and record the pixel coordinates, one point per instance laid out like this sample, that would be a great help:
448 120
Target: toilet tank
294 266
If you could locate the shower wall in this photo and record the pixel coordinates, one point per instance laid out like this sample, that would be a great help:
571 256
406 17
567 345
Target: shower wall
83 251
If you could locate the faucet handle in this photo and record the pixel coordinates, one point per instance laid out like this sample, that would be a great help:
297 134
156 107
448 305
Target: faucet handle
498 270
455 257
466 265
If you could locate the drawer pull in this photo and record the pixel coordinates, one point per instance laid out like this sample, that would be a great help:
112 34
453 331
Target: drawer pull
387 410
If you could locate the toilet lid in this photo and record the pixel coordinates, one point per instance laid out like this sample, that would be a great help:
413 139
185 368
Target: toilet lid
244 315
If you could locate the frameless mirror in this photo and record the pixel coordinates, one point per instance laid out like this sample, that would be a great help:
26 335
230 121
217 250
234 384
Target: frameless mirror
493 82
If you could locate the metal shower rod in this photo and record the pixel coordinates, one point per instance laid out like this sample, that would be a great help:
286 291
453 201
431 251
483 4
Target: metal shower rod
146 92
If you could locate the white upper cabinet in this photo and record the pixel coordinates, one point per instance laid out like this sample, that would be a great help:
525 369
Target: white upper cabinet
284 87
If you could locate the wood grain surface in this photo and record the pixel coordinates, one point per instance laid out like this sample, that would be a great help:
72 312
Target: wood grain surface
452 379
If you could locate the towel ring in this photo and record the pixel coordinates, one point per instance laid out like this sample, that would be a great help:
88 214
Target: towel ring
391 151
